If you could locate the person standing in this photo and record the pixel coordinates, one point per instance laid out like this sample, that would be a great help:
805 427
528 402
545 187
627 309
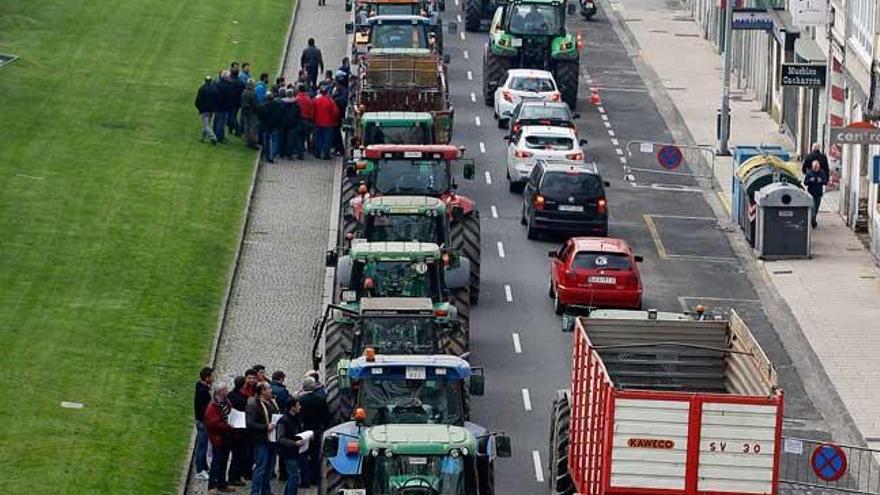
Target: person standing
242 458
249 106
259 424
219 433
312 60
815 181
225 89
244 75
278 87
292 144
262 88
232 122
269 114
307 117
816 154
315 416
326 117
340 97
289 443
200 402
206 103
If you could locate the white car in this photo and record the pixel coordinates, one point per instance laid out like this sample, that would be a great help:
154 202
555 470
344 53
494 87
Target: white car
523 84
539 142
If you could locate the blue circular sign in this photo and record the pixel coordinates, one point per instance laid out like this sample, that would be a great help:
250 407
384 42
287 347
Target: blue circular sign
670 157
828 462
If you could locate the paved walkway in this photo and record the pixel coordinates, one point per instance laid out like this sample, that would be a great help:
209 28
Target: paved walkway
278 288
834 295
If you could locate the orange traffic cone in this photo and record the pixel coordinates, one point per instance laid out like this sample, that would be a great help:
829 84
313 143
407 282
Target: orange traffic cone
594 96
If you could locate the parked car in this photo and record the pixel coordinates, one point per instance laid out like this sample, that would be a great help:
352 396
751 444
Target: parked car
565 198
523 85
552 113
597 272
533 143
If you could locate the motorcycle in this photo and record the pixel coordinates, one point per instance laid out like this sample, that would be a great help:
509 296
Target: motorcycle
588 8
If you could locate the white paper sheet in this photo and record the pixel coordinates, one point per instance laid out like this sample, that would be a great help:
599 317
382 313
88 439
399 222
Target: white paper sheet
273 436
306 437
237 419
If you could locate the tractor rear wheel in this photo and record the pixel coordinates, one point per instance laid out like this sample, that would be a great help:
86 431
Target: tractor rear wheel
495 69
473 13
566 75
331 482
560 420
338 401
454 345
466 242
338 343
462 301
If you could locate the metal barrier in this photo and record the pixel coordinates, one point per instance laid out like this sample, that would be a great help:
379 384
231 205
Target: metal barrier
672 159
829 467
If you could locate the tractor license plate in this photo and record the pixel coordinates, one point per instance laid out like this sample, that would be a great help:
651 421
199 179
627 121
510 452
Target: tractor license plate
602 280
355 491
516 42
577 208
415 373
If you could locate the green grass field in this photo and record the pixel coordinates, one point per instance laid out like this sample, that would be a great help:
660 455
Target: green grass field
117 227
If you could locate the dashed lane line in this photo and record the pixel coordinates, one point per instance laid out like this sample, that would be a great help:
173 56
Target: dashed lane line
604 117
500 249
517 346
494 211
607 124
618 151
488 178
539 470
462 33
601 109
610 131
615 142
458 16
477 121
470 76
622 159
482 147
527 400
508 295
465 54
473 98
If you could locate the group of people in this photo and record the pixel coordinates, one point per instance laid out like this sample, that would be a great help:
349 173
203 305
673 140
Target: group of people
284 119
251 453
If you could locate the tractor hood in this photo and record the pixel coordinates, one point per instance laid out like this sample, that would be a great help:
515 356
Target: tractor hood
417 439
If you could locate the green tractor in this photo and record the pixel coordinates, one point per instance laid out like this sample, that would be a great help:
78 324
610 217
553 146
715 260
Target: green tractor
476 11
530 34
370 128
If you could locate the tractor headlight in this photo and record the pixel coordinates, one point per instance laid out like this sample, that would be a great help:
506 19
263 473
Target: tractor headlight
349 296
454 453
465 451
374 452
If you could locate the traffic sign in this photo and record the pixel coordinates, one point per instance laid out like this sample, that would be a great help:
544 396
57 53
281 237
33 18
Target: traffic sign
670 157
828 462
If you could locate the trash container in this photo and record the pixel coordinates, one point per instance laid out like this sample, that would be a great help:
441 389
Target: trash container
782 227
742 161
756 173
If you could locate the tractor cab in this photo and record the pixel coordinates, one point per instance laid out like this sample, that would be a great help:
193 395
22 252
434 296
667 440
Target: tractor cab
401 325
397 32
410 170
536 28
395 128
404 218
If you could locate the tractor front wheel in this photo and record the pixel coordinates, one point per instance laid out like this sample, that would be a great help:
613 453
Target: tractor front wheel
332 483
473 13
566 75
338 343
495 69
560 422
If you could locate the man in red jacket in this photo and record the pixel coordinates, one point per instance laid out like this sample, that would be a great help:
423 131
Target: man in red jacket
219 429
307 116
326 116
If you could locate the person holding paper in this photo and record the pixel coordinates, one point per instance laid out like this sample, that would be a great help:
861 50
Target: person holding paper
219 429
261 428
289 443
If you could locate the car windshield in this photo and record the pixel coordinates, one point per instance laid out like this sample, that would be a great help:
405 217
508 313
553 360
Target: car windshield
411 134
411 401
549 142
544 112
569 184
399 334
395 227
535 19
601 261
402 278
531 84
396 9
418 475
428 177
398 35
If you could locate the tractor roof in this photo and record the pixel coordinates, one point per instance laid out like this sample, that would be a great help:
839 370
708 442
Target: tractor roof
406 439
409 304
419 52
399 19
396 119
544 2
423 151
394 250
404 204
394 366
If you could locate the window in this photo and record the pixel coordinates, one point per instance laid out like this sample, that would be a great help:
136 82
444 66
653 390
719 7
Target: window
572 184
862 21
532 84
601 261
557 143
538 112
535 19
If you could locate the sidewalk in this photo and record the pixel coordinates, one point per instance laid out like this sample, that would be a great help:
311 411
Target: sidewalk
834 295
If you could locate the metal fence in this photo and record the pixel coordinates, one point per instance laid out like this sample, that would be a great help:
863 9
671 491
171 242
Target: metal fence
672 160
858 467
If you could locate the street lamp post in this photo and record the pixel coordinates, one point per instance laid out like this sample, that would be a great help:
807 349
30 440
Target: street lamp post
725 91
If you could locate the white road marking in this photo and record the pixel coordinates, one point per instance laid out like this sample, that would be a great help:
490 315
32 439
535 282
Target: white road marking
456 3
601 109
604 117
465 53
615 142
517 347
470 75
539 470
630 177
618 151
622 160
527 401
458 16
494 211
610 131
507 293
488 178
473 98
607 124
482 147
500 249
462 33
477 121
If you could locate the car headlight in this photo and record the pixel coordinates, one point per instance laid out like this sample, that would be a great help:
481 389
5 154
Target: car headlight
349 296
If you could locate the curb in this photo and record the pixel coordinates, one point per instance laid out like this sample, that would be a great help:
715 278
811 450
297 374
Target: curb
183 484
810 370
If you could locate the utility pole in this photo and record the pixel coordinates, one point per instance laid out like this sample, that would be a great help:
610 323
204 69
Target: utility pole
725 91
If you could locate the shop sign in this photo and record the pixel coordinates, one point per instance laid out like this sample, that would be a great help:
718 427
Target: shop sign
760 19
804 75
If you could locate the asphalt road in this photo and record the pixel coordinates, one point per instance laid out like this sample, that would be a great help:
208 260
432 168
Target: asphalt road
688 260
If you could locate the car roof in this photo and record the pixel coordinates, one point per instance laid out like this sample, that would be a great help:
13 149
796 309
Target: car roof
601 244
548 130
543 103
530 73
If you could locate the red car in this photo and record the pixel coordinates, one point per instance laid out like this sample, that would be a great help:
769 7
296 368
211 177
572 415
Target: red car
597 272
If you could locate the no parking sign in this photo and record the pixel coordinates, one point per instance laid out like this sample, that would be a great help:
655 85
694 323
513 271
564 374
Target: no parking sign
670 157
828 462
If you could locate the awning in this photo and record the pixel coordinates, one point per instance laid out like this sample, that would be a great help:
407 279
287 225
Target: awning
807 50
784 30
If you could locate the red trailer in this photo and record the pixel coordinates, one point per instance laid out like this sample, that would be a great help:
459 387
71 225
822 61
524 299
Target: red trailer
666 404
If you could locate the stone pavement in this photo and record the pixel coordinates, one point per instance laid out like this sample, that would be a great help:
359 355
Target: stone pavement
834 295
278 286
